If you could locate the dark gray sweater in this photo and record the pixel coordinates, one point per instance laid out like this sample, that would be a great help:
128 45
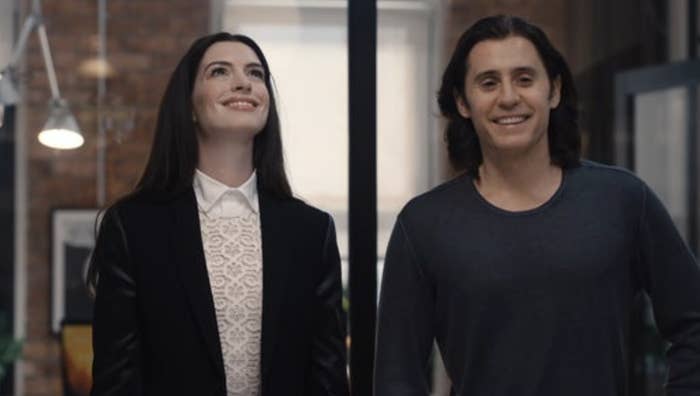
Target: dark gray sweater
535 303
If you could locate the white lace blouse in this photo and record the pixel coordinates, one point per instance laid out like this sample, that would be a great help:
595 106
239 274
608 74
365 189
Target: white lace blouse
230 225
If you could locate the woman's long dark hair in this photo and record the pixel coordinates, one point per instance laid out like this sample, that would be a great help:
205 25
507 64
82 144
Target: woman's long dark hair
463 144
174 152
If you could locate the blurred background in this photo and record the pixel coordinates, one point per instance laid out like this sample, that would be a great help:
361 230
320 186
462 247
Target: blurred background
634 62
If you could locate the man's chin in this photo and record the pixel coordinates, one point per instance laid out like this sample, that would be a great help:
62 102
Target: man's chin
520 144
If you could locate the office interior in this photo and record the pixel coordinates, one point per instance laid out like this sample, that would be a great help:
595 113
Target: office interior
635 63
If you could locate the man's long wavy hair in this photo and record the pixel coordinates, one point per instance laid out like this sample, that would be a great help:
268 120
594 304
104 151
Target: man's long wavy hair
462 141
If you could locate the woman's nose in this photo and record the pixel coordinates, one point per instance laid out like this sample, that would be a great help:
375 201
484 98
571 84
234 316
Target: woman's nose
240 82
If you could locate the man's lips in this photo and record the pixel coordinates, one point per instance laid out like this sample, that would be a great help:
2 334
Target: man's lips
511 119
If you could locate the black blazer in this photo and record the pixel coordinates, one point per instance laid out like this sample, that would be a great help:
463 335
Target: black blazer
154 329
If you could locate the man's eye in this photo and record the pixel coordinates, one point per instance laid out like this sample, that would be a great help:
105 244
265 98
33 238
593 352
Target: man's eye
488 83
525 80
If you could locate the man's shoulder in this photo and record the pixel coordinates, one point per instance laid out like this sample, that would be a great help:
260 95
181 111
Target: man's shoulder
594 175
606 170
440 197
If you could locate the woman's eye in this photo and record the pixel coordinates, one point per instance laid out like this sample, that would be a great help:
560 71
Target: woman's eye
257 73
218 71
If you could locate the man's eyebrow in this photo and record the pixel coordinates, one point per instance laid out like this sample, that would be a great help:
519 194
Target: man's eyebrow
494 73
485 73
524 69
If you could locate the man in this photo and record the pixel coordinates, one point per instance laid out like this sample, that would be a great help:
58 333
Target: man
525 268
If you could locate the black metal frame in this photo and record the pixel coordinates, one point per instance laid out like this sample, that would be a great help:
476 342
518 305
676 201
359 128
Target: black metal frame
645 341
644 338
7 218
7 232
362 45
634 82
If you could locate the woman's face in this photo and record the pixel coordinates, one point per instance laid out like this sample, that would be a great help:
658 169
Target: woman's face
230 99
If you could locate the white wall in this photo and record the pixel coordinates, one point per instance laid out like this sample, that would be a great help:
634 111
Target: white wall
306 45
660 148
7 8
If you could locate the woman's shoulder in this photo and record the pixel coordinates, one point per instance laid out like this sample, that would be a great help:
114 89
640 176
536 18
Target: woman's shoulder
304 212
142 206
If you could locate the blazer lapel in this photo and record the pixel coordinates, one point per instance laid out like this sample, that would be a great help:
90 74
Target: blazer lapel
187 243
276 262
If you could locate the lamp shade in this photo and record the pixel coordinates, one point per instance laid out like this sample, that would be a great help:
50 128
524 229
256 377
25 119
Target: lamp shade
8 91
96 68
61 131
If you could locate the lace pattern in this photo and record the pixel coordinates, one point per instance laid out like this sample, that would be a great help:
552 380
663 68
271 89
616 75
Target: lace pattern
233 252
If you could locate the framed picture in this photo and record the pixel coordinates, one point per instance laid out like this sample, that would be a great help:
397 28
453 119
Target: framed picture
76 356
73 238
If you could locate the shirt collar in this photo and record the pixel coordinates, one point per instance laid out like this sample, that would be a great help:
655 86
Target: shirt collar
210 191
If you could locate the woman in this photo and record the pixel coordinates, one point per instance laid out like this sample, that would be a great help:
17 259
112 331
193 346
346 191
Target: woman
210 278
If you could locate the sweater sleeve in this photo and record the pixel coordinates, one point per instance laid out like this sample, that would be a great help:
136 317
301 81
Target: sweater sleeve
671 277
404 323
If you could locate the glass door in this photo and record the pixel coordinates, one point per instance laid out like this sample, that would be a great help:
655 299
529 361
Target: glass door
656 136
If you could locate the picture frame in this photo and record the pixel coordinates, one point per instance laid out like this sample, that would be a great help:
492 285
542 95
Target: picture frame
76 358
72 241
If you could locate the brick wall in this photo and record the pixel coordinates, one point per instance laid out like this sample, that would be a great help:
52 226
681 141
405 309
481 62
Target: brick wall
550 15
145 41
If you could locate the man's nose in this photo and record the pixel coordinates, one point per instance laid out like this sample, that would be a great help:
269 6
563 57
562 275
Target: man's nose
509 96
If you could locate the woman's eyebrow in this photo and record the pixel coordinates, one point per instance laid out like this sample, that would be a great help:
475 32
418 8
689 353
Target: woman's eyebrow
229 64
217 62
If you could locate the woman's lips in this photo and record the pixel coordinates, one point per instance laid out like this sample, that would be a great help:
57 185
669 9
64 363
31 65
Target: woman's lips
241 104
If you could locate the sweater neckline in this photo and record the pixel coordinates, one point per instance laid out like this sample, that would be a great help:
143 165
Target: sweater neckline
528 212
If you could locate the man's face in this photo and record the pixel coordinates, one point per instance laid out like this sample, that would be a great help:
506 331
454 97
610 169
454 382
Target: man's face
508 96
